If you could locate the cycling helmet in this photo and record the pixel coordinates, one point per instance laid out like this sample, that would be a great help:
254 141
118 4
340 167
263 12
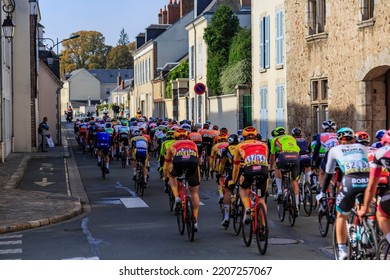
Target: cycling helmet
379 134
345 133
249 131
206 126
362 137
223 131
186 126
296 131
259 137
108 125
329 124
273 133
142 119
215 127
123 122
239 132
170 134
386 138
91 123
279 131
233 139
136 133
208 122
180 132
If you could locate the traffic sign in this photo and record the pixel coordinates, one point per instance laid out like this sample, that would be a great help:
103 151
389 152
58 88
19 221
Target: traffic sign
199 88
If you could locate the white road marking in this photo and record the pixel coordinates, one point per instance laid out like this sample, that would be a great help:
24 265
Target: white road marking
10 251
13 242
133 202
44 182
11 236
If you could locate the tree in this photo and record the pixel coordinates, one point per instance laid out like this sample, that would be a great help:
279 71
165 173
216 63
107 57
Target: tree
123 38
239 70
120 58
87 51
219 36
180 71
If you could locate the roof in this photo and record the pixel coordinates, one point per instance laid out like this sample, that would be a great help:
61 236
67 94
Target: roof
235 5
109 76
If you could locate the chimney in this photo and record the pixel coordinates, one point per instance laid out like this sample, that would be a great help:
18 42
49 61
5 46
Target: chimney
186 6
122 84
245 4
119 79
173 12
160 14
165 16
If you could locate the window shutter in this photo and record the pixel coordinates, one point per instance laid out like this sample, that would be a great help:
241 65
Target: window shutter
262 64
263 112
266 42
279 105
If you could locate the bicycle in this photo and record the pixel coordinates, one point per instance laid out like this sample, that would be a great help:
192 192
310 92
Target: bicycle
259 221
274 188
362 241
327 213
184 212
287 201
205 168
305 193
103 167
140 179
123 155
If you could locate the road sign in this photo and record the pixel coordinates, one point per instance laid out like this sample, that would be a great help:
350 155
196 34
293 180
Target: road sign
199 88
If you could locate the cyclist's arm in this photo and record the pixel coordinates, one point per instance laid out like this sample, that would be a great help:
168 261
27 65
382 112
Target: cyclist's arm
212 158
236 165
316 150
167 162
329 170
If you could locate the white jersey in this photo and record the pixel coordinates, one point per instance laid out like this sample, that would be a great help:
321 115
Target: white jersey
351 159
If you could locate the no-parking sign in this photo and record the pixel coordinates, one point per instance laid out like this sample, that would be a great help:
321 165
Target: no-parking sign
199 88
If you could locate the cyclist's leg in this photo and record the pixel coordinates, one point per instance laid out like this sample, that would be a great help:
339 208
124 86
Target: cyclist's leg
383 217
227 199
134 163
106 152
193 183
145 167
172 176
99 157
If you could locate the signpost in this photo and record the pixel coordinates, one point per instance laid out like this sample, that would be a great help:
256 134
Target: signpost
199 88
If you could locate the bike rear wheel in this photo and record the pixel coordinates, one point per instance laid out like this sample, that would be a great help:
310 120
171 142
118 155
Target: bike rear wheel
237 215
247 233
307 199
124 159
383 252
190 220
291 206
180 219
323 223
262 229
103 168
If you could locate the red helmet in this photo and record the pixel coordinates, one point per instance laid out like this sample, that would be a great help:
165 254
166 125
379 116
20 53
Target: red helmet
362 137
386 138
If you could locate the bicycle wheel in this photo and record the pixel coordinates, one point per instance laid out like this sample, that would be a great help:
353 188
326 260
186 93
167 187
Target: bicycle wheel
383 252
291 205
281 206
307 199
171 199
179 212
207 169
369 241
323 222
237 215
190 220
141 185
103 168
262 229
247 232
124 159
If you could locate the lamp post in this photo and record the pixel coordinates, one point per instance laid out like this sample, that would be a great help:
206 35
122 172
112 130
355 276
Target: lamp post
8 26
50 57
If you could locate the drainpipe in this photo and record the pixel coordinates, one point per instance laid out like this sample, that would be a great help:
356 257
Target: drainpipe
196 103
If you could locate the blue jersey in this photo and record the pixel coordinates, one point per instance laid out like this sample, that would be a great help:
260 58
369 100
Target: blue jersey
103 139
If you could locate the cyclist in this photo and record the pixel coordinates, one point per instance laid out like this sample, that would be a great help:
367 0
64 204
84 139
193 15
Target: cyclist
123 134
170 136
139 152
103 142
207 141
226 167
111 131
352 159
378 135
288 157
215 157
304 154
92 131
381 160
183 154
223 132
250 161
326 140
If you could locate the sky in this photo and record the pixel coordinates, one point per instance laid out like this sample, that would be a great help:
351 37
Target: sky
61 18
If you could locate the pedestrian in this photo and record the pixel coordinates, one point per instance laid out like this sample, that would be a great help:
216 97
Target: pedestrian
43 130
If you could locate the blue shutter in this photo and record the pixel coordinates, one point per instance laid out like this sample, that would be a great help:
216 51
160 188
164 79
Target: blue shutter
263 112
279 37
266 41
279 105
262 43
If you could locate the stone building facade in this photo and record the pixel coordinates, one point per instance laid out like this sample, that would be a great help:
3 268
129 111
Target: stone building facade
338 64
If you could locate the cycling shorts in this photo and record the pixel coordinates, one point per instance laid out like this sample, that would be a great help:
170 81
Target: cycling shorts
353 184
384 204
141 155
304 160
103 147
257 174
192 165
289 161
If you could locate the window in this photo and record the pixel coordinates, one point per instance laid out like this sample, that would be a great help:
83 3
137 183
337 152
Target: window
279 38
264 43
279 105
200 60
319 102
192 62
316 16
366 9
263 112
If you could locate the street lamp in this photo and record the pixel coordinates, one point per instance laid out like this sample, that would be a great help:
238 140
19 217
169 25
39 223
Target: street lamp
8 26
50 57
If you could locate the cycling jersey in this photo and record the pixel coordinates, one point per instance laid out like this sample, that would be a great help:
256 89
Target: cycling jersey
284 143
353 162
251 156
139 144
382 160
216 153
103 141
183 154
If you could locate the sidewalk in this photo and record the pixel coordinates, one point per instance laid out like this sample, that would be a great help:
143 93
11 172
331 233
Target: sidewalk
21 209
